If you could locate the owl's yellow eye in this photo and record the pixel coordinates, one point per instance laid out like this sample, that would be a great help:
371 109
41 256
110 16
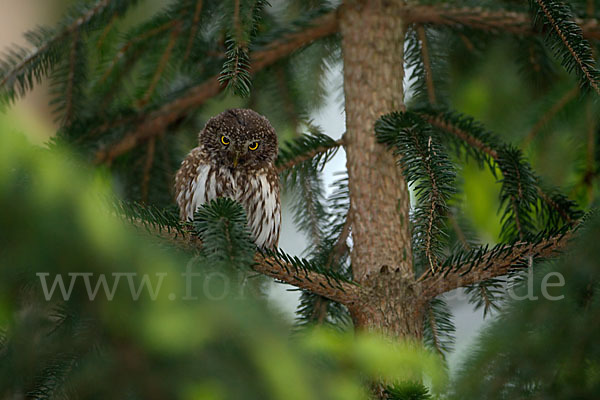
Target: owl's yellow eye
225 140
253 146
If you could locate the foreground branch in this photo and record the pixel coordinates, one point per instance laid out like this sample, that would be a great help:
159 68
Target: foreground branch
157 121
342 292
492 264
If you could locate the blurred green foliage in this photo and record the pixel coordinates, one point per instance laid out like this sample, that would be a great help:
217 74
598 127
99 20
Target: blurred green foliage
225 344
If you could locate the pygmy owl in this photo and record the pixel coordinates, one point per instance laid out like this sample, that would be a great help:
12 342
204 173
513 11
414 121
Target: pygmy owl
235 158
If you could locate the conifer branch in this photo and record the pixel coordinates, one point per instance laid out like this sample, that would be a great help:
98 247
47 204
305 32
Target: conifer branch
320 306
148 168
310 154
331 251
194 29
426 63
462 128
438 327
426 168
486 294
236 20
438 121
288 99
162 64
22 67
516 191
591 170
486 20
235 73
548 115
458 230
319 313
341 246
310 207
318 283
155 122
554 205
71 79
434 333
488 303
558 17
106 30
426 57
482 266
100 5
276 265
516 213
131 42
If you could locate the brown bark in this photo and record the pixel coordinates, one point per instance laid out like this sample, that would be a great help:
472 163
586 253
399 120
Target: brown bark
372 45
389 303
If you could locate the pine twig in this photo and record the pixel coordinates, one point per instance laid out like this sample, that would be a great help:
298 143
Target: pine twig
162 64
515 207
590 167
107 30
290 108
566 39
436 200
194 29
459 232
434 331
559 105
425 167
71 79
307 156
142 36
236 21
426 63
147 168
440 123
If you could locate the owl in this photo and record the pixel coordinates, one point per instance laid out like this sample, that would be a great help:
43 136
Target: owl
236 159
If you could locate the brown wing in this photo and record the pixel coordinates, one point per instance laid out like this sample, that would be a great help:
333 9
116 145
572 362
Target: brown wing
198 181
258 192
186 182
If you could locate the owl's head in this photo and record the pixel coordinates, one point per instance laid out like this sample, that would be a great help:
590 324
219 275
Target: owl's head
240 138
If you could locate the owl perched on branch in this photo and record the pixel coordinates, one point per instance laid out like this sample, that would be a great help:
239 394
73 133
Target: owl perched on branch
236 159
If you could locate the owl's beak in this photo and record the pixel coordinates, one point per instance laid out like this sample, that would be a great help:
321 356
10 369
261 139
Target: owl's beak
236 157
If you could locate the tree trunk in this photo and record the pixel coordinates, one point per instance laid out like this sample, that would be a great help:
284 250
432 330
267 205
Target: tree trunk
372 45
